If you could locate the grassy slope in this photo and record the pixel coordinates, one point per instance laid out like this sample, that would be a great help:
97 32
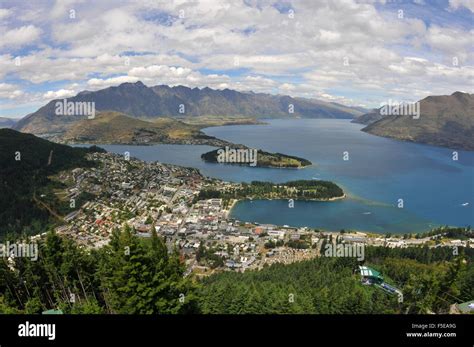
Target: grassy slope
114 127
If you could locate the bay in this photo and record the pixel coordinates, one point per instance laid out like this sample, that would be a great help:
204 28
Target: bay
435 189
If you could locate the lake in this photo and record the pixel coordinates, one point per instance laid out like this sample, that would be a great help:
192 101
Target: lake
377 173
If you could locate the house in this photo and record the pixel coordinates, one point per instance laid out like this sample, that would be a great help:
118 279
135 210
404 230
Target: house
71 216
295 236
351 238
279 234
126 185
258 230
216 202
230 263
61 228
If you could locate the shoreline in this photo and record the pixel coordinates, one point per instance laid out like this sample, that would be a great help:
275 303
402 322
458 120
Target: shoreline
321 200
229 209
368 232
235 201
261 167
279 158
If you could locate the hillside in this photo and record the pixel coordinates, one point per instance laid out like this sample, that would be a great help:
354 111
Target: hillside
115 127
317 286
368 118
23 181
329 285
446 120
140 101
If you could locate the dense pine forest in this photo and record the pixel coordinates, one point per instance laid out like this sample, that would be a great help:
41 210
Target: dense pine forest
129 276
430 282
322 286
133 275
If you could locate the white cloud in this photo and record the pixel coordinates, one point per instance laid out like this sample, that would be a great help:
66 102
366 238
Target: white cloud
5 12
453 42
269 51
62 8
97 83
10 91
455 4
59 94
256 84
20 36
162 74
160 71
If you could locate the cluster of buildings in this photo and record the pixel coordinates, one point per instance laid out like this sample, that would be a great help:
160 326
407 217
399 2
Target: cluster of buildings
121 191
147 197
398 241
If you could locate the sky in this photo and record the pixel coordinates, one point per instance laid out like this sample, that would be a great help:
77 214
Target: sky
357 53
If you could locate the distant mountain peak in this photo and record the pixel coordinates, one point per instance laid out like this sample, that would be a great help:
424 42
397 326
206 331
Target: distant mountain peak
7 122
132 84
459 94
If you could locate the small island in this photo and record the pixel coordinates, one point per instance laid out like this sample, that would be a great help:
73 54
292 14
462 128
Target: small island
234 155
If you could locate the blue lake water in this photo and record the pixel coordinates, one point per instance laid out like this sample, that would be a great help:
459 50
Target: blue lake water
379 171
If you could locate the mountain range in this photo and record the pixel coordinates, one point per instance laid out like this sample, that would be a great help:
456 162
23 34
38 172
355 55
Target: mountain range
136 114
7 122
368 118
139 101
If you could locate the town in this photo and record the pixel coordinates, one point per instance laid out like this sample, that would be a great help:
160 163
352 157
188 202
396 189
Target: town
122 191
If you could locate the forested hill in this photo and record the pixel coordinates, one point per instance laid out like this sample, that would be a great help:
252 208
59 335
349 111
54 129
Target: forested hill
264 159
430 279
34 153
321 285
26 161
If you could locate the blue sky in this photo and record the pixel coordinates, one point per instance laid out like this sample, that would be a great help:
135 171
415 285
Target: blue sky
359 53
